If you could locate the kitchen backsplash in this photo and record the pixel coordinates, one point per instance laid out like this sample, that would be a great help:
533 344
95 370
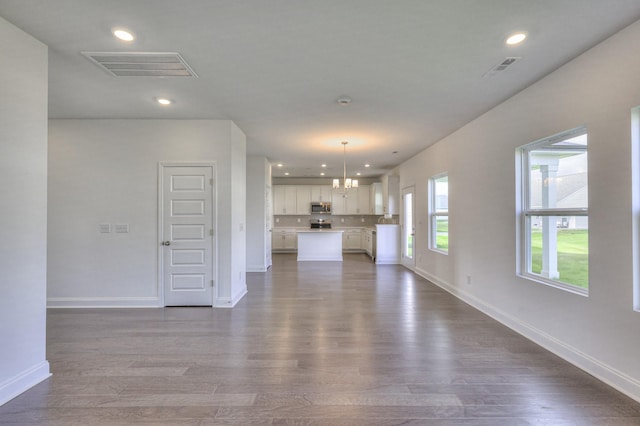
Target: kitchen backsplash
290 221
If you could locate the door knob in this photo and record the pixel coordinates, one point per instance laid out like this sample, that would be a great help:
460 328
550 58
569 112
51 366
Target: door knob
166 243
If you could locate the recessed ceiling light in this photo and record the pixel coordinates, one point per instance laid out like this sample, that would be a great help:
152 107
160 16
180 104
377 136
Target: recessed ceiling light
367 165
164 101
322 174
323 165
286 173
123 34
344 100
516 38
279 164
358 174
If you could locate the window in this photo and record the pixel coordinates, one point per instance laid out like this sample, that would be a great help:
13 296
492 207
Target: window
439 213
554 225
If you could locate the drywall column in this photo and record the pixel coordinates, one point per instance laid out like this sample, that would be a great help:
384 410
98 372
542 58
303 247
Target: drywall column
23 211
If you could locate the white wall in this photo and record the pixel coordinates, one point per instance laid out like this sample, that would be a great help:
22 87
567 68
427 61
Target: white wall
106 171
23 211
258 183
599 333
238 221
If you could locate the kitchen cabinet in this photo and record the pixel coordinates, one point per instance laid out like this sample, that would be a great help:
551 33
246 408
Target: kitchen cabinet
284 239
284 199
321 193
391 194
369 242
375 199
338 203
296 199
356 201
303 199
387 244
352 239
363 199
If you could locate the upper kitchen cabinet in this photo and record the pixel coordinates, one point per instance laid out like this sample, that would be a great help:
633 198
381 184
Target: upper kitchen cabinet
303 199
356 201
321 193
364 197
376 205
391 194
284 199
338 203
291 200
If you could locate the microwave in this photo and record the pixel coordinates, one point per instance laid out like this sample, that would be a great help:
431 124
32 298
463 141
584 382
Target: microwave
318 207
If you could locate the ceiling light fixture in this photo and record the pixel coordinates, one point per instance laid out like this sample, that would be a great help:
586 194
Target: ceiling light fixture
164 101
516 38
279 164
344 100
323 165
348 183
367 165
123 34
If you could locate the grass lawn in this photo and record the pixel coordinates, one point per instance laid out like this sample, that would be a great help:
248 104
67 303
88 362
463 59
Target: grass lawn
573 255
442 234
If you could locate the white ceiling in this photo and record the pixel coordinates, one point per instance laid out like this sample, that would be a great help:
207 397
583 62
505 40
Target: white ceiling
415 69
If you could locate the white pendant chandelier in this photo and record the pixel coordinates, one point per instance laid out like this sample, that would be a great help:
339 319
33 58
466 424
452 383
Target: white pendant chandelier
347 183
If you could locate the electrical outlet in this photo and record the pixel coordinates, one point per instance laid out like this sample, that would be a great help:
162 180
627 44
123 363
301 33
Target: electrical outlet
362 219
342 219
277 220
298 220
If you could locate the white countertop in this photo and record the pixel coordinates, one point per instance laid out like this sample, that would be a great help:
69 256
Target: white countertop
318 230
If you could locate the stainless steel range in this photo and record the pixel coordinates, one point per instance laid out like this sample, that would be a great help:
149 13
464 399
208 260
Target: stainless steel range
320 224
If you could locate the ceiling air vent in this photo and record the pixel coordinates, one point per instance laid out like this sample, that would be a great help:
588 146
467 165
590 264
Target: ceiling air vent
142 64
503 65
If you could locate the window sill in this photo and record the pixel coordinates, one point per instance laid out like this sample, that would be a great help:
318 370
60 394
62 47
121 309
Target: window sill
556 284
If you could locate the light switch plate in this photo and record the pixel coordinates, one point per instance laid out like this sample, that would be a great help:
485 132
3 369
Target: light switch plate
122 228
105 228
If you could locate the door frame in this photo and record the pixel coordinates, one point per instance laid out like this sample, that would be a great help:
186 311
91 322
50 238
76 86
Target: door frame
214 223
406 261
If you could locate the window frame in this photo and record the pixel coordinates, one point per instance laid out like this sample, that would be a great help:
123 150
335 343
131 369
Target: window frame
434 215
525 212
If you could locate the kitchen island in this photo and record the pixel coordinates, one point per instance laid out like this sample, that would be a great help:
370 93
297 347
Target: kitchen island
320 245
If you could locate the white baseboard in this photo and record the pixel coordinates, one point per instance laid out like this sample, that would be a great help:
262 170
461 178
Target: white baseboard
387 261
256 268
230 302
604 372
24 381
103 302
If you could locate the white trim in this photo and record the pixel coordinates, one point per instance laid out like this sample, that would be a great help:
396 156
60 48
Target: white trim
104 302
524 212
256 268
433 215
602 371
24 381
230 302
635 204
408 262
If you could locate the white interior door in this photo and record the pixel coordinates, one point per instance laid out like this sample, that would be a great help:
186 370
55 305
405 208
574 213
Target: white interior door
408 228
269 225
187 235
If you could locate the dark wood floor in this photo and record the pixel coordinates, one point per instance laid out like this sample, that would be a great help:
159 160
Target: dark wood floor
311 344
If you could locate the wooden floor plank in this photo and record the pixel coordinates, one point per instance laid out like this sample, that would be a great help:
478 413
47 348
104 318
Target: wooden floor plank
313 343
